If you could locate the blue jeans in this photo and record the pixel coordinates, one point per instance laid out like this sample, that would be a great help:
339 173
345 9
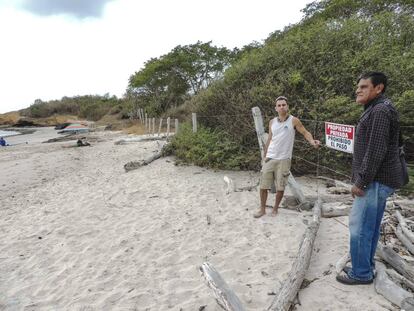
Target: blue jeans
364 228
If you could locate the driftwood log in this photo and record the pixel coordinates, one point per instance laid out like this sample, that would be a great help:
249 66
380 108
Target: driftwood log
291 285
396 261
335 209
231 186
133 165
138 139
403 223
398 278
340 265
390 290
404 240
225 297
335 183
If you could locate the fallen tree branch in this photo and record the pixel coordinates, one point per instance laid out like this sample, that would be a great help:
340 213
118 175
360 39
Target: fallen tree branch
292 284
387 288
225 297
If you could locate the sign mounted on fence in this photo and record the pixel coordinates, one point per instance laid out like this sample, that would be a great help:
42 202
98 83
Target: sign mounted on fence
340 136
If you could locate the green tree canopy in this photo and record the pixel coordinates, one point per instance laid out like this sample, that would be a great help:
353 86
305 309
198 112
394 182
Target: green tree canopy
169 80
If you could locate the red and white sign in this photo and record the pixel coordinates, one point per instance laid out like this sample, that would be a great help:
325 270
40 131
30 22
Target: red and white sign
340 136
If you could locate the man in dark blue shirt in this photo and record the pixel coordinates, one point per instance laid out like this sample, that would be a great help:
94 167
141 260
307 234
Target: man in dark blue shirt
376 173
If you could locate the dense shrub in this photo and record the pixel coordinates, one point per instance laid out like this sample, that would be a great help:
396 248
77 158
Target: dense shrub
211 148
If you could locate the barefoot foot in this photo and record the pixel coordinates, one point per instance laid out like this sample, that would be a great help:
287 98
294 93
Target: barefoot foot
274 212
259 214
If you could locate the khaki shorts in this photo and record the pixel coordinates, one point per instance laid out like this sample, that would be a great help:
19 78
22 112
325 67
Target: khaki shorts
275 171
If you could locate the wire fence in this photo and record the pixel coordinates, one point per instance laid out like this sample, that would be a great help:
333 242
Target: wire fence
240 128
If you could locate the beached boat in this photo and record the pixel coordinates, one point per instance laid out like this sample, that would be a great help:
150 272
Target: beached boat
75 128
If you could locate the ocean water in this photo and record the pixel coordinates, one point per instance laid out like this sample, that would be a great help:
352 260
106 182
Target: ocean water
8 133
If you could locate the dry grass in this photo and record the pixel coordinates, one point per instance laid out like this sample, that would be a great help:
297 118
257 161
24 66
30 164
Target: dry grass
125 125
56 119
137 129
12 118
9 118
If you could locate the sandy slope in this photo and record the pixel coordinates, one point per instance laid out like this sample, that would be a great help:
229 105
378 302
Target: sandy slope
78 233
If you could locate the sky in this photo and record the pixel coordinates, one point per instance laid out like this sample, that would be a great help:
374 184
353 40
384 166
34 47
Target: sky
55 48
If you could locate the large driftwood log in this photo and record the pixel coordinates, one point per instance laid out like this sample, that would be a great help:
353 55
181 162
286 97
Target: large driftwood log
395 260
291 285
133 165
335 210
407 232
387 288
225 297
404 240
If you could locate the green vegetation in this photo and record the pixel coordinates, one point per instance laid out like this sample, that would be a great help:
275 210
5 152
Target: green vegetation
315 64
91 107
211 148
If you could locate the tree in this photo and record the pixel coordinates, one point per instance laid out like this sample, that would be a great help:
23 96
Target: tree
169 80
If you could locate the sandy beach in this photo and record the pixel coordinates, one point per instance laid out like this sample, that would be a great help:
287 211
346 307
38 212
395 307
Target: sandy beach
79 233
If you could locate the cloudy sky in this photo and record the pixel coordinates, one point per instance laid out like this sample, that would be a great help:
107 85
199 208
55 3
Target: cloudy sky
55 48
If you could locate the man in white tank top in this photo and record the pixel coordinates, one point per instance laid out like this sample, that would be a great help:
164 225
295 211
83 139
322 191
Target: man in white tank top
278 153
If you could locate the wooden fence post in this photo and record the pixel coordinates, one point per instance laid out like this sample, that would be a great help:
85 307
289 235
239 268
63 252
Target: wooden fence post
168 126
153 127
159 128
194 117
176 126
258 124
146 124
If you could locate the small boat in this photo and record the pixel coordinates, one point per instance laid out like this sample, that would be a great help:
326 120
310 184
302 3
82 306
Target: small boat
74 128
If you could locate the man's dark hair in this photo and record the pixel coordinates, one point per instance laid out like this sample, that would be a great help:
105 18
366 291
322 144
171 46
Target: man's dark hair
376 78
282 98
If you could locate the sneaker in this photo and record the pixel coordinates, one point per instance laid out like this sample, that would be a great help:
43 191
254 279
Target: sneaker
347 280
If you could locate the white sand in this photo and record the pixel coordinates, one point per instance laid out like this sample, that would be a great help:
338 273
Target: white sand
78 233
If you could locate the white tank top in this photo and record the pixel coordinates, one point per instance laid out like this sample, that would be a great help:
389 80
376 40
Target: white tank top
283 136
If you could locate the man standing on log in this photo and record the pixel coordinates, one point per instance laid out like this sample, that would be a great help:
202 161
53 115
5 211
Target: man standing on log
278 153
376 173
